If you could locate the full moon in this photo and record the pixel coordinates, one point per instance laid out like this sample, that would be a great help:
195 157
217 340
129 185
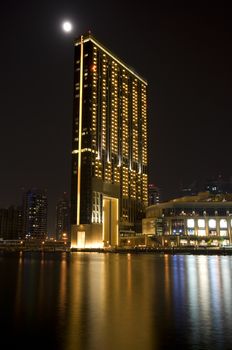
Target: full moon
67 26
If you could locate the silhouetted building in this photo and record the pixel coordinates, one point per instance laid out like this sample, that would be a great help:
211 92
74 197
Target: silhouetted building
11 223
214 185
190 190
109 147
63 218
35 214
153 194
218 185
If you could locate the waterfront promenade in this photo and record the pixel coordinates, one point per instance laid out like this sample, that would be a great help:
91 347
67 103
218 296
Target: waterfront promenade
16 246
162 250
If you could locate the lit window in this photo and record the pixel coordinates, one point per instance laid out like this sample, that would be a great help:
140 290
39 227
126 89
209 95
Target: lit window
212 223
223 233
223 223
191 232
190 223
94 68
201 223
201 232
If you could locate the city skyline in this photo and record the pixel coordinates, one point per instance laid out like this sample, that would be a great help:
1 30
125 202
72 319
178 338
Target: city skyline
183 53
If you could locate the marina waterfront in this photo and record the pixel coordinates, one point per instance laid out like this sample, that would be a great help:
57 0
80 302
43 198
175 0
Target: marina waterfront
81 300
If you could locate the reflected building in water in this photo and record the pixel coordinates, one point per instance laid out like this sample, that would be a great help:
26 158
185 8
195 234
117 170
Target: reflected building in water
116 301
109 188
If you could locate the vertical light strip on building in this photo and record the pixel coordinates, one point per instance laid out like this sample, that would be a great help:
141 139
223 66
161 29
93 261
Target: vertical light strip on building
117 201
80 133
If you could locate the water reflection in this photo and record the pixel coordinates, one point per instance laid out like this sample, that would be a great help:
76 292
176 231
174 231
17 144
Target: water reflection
108 304
111 301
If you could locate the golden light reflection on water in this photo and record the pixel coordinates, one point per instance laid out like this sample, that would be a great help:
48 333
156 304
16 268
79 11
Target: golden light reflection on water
19 284
112 304
167 281
111 301
42 269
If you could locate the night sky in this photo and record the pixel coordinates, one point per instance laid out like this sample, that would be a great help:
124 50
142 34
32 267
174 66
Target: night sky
183 52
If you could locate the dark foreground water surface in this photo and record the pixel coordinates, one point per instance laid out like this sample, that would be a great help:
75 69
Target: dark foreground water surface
112 301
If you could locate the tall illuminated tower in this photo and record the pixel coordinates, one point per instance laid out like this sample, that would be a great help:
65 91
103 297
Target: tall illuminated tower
109 147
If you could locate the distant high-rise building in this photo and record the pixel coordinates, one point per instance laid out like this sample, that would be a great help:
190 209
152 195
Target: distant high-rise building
214 185
11 223
217 185
35 214
190 190
109 147
153 194
63 218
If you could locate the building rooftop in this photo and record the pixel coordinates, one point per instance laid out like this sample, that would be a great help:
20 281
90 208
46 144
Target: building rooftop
89 37
205 197
202 200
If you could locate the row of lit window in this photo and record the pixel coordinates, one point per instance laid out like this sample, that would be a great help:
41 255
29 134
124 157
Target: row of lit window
94 100
114 124
125 179
114 137
108 172
116 174
212 223
133 185
125 128
98 168
96 207
201 232
145 187
144 138
135 119
104 119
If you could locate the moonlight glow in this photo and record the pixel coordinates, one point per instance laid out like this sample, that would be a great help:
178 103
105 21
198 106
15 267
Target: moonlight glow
67 26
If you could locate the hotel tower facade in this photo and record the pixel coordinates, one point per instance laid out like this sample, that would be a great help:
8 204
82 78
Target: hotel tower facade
109 187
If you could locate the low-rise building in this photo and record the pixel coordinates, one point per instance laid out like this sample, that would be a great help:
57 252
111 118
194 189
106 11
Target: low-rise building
201 220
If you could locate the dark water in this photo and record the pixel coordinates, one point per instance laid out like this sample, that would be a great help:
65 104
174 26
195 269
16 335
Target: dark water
111 301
